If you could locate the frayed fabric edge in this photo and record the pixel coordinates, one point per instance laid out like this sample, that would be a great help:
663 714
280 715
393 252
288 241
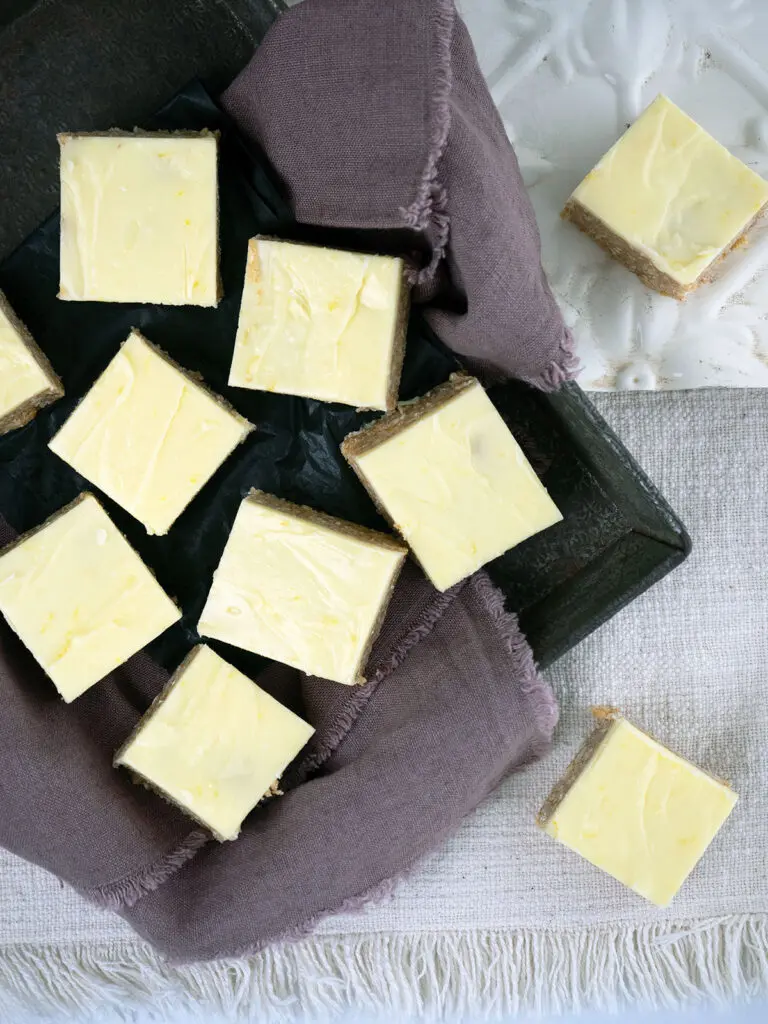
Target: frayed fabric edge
544 709
127 891
430 205
416 631
439 975
544 712
562 369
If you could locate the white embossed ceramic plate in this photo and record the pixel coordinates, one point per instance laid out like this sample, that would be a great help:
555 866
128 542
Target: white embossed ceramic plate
569 76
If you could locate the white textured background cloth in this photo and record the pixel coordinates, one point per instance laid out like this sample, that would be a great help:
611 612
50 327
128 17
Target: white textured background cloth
503 918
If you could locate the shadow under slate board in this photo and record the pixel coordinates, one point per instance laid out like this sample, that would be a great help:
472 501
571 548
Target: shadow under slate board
618 536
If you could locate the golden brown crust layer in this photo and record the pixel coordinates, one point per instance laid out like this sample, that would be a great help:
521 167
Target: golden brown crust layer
315 518
27 411
406 413
623 252
398 348
117 133
637 262
584 755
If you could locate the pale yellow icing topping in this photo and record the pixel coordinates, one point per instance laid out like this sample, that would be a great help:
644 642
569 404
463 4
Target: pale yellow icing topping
641 813
80 597
216 743
673 192
148 435
458 487
305 594
21 377
318 322
139 219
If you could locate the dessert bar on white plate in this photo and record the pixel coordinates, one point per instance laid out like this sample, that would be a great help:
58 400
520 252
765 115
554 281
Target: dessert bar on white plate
668 201
569 81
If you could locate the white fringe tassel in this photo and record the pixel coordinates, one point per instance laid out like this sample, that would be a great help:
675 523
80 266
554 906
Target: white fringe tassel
435 976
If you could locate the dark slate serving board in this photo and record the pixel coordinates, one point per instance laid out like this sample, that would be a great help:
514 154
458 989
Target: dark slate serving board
618 536
89 64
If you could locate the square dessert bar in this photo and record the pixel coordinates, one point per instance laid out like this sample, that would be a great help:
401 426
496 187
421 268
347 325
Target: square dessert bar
214 743
149 435
80 598
448 474
633 808
668 201
140 218
27 380
321 323
302 587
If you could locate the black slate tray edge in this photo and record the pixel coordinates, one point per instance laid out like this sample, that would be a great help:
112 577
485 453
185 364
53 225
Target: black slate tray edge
656 536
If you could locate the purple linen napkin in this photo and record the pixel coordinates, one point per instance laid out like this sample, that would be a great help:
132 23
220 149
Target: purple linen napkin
376 115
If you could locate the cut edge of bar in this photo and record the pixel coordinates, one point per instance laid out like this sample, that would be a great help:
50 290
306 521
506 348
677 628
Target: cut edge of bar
403 416
140 133
607 718
641 265
26 412
322 519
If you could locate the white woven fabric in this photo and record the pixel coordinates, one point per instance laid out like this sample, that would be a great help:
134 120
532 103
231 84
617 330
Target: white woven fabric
688 661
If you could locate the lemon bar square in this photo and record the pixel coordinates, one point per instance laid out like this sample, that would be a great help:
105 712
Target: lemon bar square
27 380
149 435
321 323
80 598
448 474
631 807
140 218
668 201
214 743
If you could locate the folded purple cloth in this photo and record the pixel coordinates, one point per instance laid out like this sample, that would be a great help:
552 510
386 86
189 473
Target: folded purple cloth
453 703
376 115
